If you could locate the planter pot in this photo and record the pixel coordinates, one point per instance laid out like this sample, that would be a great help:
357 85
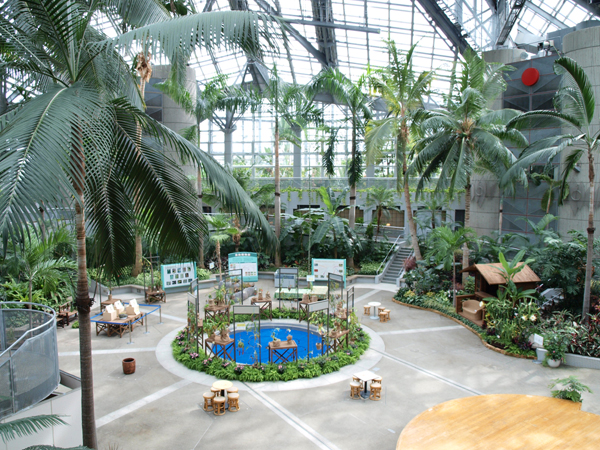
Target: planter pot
554 363
319 346
276 343
289 338
128 366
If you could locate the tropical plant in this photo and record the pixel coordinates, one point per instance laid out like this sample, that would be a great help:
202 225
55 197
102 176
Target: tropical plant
550 195
404 93
293 110
332 223
382 199
444 243
79 139
508 272
466 132
28 426
574 106
332 81
570 388
555 344
222 232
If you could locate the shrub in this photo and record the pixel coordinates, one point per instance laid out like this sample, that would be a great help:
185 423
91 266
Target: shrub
203 274
571 389
369 268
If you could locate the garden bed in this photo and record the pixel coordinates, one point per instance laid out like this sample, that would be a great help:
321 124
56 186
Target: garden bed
585 362
229 370
428 303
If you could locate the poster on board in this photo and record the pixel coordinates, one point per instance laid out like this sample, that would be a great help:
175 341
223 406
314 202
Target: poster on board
248 262
177 275
322 267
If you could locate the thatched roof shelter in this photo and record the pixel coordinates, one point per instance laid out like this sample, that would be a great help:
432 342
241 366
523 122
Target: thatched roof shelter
492 274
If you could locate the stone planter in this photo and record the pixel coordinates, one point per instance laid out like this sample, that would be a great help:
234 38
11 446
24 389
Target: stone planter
585 362
128 366
554 363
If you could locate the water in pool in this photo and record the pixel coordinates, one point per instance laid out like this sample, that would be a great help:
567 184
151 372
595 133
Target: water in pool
245 354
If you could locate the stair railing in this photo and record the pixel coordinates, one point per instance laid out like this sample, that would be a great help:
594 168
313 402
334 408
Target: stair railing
393 247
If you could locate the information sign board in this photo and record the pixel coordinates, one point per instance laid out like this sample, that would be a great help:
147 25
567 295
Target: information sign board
177 275
246 261
322 267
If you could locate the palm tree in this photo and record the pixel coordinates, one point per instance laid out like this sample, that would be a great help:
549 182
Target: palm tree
28 426
293 110
332 223
382 199
75 142
466 132
403 92
575 107
38 265
444 244
553 185
351 95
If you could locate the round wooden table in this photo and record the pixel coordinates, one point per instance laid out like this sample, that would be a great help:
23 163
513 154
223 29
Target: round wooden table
504 421
223 385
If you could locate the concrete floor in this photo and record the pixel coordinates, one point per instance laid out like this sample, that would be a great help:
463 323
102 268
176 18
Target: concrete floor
427 359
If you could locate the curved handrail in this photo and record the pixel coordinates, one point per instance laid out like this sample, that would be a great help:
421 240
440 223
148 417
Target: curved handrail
388 254
25 336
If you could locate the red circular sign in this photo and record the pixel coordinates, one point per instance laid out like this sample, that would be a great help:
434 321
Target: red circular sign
530 76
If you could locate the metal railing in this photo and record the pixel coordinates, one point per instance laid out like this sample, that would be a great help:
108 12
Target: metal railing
392 248
29 369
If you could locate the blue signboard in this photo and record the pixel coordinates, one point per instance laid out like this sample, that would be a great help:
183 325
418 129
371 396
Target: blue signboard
177 275
247 261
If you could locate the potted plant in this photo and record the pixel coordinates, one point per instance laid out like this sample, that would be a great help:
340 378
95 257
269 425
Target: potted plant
556 348
570 388
289 336
211 301
276 340
241 346
224 330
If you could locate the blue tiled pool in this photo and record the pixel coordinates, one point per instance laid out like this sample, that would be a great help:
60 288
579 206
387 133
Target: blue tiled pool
246 354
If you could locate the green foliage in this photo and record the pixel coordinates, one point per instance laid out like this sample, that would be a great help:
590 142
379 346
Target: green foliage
570 388
369 268
75 325
556 345
314 367
203 274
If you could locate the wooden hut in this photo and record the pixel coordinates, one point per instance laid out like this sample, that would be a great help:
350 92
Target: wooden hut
488 278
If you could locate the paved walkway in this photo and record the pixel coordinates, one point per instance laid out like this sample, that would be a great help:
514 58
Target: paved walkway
424 359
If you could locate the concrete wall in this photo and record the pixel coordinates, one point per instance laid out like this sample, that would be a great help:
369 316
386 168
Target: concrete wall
584 47
67 405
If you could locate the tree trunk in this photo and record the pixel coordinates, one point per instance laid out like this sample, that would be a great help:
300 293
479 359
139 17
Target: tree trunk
352 215
379 214
88 420
590 244
454 280
277 217
409 216
218 249
465 261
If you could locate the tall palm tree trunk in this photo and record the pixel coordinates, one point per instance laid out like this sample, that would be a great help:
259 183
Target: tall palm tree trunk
590 244
277 194
88 420
412 226
500 217
201 249
465 261
352 215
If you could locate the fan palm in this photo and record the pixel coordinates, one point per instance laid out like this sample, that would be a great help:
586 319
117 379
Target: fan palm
351 95
466 132
444 243
382 199
403 92
75 142
293 111
575 107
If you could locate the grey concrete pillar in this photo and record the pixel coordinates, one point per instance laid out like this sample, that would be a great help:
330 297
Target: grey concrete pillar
297 154
228 139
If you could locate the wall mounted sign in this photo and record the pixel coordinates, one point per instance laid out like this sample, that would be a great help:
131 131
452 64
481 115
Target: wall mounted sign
246 261
530 77
177 275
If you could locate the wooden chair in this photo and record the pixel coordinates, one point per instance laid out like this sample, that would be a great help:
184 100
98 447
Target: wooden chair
219 404
208 401
375 391
355 390
367 310
234 401
232 390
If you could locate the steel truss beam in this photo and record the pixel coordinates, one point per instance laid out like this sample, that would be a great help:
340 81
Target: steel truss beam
510 19
323 12
453 32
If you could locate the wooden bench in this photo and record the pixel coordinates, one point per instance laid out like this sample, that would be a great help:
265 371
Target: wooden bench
65 313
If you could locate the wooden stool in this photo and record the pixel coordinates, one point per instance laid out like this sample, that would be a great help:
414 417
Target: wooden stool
208 401
376 380
215 391
387 314
382 317
375 391
367 310
381 309
232 390
355 390
356 379
219 404
234 401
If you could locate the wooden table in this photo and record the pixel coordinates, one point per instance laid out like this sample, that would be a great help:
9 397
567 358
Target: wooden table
105 303
221 348
503 421
223 385
156 295
287 351
338 338
264 305
118 326
365 376
213 312
318 291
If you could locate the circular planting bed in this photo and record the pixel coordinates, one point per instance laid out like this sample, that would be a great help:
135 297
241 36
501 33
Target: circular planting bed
247 366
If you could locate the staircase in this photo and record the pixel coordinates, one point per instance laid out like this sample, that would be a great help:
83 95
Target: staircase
396 267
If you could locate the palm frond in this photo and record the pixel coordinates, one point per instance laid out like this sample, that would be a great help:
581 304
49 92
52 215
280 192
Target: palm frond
573 74
28 426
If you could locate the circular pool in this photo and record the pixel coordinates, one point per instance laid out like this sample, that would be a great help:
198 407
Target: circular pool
248 352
